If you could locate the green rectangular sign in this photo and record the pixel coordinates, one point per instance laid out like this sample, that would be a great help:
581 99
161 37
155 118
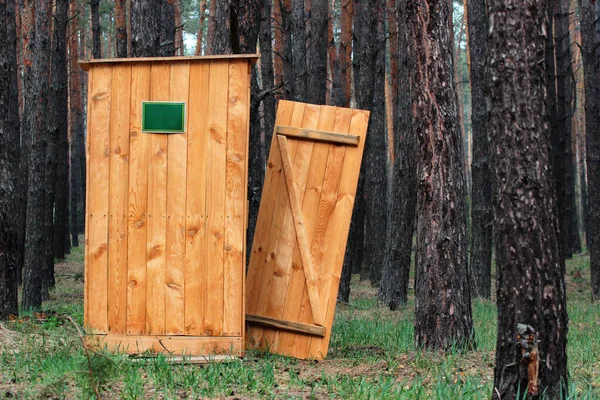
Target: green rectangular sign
163 117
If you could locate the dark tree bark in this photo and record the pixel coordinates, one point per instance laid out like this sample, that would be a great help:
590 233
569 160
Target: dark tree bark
299 90
34 125
394 286
590 38
121 28
221 43
316 55
9 162
443 303
376 165
96 40
530 270
564 154
267 74
58 124
212 24
145 28
76 127
346 21
288 59
481 193
167 35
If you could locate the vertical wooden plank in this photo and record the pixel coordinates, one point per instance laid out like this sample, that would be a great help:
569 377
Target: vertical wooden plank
176 199
86 259
195 250
295 306
235 202
215 195
265 213
138 202
157 207
119 174
341 225
286 239
98 189
269 237
324 240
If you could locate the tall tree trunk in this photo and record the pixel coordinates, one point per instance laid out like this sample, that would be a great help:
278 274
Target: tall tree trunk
481 193
34 125
277 44
365 33
58 123
346 21
564 74
394 288
288 58
179 46
376 155
145 28
316 55
9 162
582 176
532 315
267 74
221 43
212 25
121 27
200 32
96 35
167 36
590 38
299 51
443 303
76 125
392 19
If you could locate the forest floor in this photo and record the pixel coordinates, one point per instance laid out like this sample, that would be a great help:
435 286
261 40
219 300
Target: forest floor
372 355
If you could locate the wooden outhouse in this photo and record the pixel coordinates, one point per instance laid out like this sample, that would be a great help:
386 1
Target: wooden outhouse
167 152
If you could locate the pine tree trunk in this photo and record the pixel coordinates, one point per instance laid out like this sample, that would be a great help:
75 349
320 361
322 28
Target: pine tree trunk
530 270
221 43
299 51
267 75
9 162
481 193
34 125
76 126
277 44
145 28
58 123
590 38
212 25
443 304
96 43
376 155
401 227
121 27
167 38
316 56
288 58
200 32
346 21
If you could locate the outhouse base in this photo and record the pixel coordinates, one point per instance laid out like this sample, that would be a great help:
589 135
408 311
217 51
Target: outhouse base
205 347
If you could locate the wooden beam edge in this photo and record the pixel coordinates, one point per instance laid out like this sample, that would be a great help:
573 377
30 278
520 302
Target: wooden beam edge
298 327
316 135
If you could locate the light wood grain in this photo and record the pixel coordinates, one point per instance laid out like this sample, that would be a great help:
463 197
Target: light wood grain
168 345
118 199
303 246
215 196
317 136
157 209
235 200
138 203
87 64
176 198
99 160
195 252
286 325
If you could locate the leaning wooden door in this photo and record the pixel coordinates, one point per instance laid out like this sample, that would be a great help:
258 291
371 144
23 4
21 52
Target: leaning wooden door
302 227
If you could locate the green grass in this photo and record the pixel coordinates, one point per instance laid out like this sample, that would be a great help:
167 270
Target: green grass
371 356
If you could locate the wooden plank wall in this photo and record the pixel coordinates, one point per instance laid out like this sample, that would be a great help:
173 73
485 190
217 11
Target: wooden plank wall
325 177
165 222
